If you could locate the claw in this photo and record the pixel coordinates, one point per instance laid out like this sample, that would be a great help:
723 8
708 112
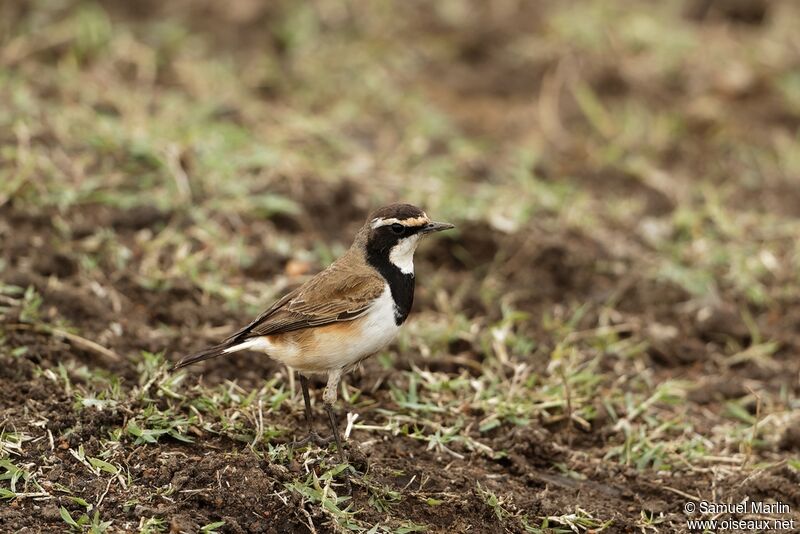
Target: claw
314 438
333 381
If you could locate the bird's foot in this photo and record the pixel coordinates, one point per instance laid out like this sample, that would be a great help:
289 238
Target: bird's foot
314 438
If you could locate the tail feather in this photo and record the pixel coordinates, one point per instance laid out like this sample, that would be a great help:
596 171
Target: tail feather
211 352
226 347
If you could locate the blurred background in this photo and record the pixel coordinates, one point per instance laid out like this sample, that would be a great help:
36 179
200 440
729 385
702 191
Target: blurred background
623 283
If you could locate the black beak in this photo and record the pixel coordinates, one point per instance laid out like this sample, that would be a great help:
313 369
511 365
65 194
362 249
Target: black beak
432 227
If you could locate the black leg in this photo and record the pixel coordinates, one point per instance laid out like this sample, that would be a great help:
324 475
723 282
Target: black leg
339 450
307 401
335 430
312 436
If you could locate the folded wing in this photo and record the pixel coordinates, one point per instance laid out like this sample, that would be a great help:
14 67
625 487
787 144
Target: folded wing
334 295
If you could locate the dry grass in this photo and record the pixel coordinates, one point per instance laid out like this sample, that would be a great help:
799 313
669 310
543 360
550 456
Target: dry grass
617 312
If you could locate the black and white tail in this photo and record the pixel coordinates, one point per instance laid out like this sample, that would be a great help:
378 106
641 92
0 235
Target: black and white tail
226 347
211 352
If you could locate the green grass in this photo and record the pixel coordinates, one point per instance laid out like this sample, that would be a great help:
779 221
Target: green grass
627 228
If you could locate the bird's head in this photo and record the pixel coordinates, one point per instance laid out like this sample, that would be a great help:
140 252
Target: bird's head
393 232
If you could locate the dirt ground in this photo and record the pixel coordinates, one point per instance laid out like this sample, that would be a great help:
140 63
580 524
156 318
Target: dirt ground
611 332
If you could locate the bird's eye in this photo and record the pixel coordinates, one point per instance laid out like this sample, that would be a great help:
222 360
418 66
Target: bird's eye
398 228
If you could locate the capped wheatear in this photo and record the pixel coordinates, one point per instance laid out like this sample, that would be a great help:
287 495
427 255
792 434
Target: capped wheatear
344 314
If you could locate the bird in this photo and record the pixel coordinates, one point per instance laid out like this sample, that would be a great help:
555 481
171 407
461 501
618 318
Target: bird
346 313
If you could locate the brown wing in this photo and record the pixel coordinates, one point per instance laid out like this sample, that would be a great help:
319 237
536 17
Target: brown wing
336 294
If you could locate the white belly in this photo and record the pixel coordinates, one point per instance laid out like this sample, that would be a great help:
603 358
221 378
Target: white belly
375 330
338 346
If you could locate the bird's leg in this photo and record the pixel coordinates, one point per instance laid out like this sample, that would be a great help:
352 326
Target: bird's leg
329 397
307 402
312 436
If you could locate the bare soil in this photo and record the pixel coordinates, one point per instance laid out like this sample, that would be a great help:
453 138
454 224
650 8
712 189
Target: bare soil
220 479
548 466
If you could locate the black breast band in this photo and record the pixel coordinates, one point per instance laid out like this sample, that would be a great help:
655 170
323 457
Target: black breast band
400 284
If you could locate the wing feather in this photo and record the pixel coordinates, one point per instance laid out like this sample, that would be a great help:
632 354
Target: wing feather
334 295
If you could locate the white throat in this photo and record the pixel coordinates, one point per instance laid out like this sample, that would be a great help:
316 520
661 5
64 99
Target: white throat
402 254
